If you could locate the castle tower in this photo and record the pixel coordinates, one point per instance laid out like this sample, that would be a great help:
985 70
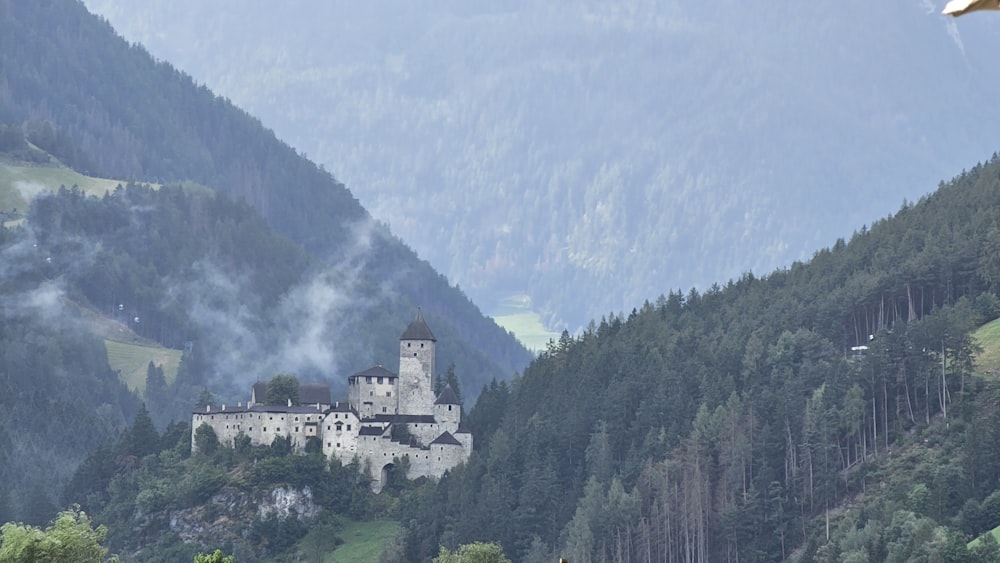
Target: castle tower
373 392
448 410
416 368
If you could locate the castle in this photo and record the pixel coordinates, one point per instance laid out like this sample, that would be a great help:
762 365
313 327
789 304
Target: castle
386 416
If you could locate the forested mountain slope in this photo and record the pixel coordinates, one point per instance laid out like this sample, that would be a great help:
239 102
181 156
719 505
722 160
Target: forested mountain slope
590 154
111 109
60 398
717 425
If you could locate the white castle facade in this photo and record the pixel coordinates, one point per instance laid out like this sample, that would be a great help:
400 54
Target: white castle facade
428 429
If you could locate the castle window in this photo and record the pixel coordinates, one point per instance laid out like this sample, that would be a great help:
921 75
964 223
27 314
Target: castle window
265 429
327 426
296 419
348 427
383 409
368 379
414 354
449 407
388 393
421 344
296 428
407 344
338 444
371 393
270 418
328 444
380 381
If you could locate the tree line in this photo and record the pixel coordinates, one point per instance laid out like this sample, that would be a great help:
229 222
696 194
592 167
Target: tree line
724 425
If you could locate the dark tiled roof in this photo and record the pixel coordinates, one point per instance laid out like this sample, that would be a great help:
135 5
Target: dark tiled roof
447 397
446 439
418 330
402 418
370 431
463 429
342 406
375 371
312 393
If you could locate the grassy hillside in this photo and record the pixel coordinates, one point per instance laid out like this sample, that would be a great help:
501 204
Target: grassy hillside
995 532
988 337
21 182
131 361
363 541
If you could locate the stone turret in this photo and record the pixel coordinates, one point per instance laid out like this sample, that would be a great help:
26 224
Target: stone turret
416 368
448 409
373 391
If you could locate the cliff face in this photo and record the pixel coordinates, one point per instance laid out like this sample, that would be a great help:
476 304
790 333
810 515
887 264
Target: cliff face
230 515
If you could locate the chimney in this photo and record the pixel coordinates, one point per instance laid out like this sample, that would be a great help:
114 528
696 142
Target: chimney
208 408
289 401
223 407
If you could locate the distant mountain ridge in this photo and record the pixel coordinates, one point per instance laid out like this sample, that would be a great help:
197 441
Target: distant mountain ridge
589 154
133 117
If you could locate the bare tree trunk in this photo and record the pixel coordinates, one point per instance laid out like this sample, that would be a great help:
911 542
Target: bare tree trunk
927 397
911 313
909 405
874 423
944 386
885 414
826 513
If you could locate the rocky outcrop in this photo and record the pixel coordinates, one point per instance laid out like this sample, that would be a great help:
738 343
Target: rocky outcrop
229 515
286 501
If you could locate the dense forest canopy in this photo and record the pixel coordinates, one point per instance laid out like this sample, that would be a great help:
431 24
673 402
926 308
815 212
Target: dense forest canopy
60 398
592 154
716 425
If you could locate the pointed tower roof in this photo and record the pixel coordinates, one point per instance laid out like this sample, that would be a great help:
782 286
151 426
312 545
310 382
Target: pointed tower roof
447 397
418 330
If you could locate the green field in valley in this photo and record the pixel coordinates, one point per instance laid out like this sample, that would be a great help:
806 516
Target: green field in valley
516 315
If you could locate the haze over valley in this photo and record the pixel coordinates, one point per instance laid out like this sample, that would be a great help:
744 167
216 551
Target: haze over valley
580 158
